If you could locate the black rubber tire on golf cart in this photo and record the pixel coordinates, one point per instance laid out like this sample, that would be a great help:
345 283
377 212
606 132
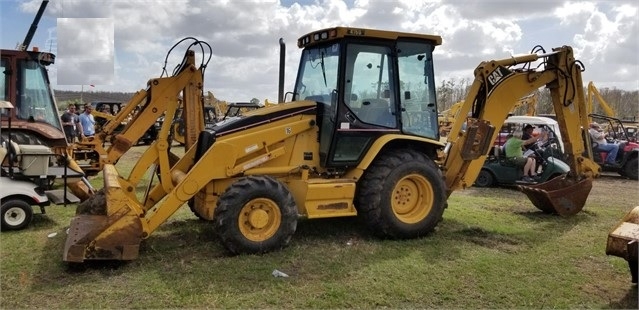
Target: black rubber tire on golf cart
256 214
401 195
16 214
484 179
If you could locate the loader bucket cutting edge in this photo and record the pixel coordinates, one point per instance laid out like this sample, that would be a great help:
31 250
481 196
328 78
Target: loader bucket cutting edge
93 235
560 195
624 238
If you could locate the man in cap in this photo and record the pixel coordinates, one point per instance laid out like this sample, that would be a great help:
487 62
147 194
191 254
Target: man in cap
598 136
527 134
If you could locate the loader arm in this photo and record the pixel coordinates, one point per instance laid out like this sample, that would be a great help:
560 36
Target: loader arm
160 96
493 94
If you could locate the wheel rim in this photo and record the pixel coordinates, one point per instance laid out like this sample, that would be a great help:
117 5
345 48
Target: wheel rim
412 198
259 219
15 216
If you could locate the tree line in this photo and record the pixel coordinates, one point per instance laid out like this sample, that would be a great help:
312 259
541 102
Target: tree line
65 97
624 103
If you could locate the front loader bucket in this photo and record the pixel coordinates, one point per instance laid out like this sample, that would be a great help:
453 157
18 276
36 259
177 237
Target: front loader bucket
560 195
106 226
623 241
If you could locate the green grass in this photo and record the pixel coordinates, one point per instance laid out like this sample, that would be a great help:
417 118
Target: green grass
492 250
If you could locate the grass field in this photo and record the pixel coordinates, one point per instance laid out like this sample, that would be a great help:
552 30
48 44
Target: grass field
492 250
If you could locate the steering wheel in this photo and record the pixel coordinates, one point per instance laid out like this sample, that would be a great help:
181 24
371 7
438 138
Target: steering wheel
549 142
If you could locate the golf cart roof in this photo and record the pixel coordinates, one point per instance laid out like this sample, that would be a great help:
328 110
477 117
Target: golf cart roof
533 120
5 105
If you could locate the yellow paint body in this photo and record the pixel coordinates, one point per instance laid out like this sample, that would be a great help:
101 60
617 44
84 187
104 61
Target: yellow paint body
277 149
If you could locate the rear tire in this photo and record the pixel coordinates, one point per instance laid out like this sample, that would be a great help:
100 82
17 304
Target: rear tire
16 214
631 169
484 179
401 195
256 214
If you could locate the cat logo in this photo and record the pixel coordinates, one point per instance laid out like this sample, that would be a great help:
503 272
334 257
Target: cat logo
495 77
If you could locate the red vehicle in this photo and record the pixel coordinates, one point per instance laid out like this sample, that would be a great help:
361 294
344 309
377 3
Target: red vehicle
628 148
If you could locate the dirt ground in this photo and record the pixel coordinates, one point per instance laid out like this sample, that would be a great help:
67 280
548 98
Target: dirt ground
614 186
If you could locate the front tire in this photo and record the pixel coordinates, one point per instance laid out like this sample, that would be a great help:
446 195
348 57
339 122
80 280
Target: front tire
256 214
16 214
484 179
631 169
402 195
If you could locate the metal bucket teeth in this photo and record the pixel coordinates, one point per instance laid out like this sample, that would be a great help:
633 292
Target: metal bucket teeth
100 237
106 226
560 195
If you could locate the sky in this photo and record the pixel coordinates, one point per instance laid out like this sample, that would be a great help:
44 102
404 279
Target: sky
119 45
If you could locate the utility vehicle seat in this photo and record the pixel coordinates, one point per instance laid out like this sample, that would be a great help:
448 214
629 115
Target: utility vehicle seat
14 152
376 111
3 153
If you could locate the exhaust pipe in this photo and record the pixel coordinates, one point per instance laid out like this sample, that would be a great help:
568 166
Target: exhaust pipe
280 88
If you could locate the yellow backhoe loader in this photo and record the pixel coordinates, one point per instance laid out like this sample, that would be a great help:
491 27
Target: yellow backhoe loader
360 138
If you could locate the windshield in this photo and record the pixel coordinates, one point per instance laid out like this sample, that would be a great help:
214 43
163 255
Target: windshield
317 77
35 99
4 85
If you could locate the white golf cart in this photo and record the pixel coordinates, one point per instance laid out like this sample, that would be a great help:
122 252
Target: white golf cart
26 179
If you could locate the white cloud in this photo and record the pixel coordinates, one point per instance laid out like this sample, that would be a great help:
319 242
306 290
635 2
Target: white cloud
607 42
244 35
85 51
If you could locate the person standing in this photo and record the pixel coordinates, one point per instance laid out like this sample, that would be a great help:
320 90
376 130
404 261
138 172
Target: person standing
87 122
78 131
71 123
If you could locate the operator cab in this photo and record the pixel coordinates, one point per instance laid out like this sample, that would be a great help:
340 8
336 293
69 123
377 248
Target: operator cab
367 84
25 82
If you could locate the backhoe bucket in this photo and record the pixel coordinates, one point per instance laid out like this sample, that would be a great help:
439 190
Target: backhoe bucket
560 195
106 226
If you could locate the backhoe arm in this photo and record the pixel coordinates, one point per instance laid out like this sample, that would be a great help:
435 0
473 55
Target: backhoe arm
593 93
494 92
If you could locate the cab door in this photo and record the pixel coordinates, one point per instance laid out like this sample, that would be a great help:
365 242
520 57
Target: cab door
365 108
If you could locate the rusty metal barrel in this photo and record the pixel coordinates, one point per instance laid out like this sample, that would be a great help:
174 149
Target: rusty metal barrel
561 195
